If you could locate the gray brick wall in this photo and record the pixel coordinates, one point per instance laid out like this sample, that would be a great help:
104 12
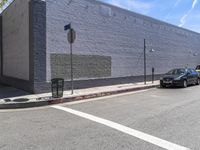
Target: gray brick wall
35 43
38 37
112 36
109 31
38 42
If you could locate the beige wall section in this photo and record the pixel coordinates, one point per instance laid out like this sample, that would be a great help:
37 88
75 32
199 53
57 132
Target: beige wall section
16 40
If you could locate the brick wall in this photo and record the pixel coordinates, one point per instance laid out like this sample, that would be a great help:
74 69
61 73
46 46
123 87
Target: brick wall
108 48
105 30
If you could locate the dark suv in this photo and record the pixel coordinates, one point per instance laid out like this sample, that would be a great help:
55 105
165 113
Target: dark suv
180 77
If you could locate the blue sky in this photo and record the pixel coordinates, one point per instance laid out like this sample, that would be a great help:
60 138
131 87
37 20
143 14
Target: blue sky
183 13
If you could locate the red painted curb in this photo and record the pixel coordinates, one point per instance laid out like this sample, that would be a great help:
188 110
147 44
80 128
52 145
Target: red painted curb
70 99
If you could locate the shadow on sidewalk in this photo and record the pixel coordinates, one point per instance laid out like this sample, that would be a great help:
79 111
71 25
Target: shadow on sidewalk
8 91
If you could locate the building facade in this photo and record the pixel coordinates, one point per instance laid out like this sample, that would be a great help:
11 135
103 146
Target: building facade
108 48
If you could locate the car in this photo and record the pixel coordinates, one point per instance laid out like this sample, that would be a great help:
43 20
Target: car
180 77
198 68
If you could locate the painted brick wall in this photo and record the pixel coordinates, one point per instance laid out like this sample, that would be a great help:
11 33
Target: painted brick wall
84 66
105 30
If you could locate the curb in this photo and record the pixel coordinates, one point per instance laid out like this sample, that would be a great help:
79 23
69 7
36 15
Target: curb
70 99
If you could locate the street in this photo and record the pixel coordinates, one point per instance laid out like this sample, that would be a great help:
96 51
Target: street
153 119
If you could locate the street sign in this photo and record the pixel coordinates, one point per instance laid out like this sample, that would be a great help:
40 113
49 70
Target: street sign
67 27
71 36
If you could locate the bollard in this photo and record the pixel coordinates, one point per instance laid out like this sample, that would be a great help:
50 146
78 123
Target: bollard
153 70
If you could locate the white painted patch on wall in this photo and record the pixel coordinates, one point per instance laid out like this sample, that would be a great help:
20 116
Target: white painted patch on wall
105 11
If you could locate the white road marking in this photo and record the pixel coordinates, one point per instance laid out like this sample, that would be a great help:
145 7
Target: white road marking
143 136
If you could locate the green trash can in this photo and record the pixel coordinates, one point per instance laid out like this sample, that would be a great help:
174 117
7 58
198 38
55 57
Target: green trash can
57 86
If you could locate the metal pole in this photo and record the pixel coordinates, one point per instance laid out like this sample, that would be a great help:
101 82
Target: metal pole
145 74
71 62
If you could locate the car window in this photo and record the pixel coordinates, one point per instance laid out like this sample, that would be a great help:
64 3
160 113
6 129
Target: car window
194 71
176 71
189 71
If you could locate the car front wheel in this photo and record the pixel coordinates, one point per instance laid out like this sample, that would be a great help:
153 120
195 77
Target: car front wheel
185 84
162 86
198 82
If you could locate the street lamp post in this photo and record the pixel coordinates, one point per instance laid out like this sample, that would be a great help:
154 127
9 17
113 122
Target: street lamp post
145 64
145 68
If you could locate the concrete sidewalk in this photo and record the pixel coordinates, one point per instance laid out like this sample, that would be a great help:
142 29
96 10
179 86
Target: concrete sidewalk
36 100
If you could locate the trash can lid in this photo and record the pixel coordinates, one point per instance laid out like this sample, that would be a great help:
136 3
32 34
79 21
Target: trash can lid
57 79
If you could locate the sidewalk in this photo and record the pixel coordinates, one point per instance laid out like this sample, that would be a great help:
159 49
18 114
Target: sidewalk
36 100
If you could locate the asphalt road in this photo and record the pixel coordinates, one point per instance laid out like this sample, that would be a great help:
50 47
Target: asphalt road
170 115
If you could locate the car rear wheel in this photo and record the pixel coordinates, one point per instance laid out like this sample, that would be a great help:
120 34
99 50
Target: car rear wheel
185 84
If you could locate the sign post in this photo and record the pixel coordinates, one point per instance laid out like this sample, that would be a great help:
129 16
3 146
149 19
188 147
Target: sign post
71 36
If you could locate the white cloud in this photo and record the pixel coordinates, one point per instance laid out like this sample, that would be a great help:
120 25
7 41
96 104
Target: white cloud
184 18
194 3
